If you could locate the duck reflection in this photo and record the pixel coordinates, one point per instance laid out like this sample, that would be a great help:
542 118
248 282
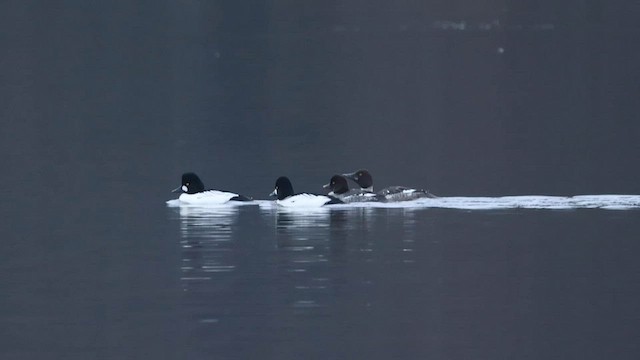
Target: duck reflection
206 241
407 247
303 239
315 247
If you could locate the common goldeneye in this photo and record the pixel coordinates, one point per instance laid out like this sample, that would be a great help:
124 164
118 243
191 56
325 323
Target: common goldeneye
287 198
392 193
192 192
340 189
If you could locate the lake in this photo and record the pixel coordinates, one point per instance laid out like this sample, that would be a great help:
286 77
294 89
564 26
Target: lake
523 119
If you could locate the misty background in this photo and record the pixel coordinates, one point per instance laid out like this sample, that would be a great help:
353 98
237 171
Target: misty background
464 98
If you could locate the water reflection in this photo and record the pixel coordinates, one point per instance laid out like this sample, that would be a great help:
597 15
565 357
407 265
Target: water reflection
303 242
302 262
409 235
206 242
318 250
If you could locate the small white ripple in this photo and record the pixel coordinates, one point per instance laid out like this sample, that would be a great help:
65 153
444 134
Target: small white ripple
604 201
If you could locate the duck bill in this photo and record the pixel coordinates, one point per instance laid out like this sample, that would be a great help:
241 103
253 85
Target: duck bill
177 190
274 193
326 186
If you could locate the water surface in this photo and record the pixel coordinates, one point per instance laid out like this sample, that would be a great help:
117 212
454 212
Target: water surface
523 118
407 282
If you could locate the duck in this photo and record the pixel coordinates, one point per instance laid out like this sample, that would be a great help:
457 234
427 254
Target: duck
364 179
339 187
192 191
287 198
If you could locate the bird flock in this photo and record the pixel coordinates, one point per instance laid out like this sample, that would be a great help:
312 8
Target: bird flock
193 191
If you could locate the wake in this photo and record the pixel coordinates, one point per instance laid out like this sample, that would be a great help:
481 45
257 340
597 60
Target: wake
608 202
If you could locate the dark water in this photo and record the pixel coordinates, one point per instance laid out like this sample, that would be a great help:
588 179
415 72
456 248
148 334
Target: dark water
103 106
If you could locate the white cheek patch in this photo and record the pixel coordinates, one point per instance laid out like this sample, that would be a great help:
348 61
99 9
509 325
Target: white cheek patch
185 188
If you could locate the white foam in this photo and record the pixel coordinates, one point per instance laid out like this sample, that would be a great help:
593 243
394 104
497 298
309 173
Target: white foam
520 202
607 202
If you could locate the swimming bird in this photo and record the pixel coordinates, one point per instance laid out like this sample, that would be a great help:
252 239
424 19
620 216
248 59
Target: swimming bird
364 179
192 192
340 189
286 197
